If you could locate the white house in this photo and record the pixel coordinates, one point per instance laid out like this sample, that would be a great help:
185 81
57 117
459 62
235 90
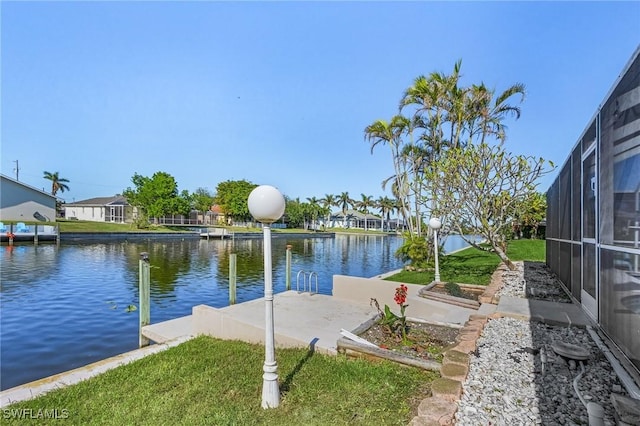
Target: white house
24 203
354 219
101 209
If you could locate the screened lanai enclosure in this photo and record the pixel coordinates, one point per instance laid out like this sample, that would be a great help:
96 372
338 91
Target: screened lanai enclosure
593 216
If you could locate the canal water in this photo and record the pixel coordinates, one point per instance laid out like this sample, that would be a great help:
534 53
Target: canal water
70 305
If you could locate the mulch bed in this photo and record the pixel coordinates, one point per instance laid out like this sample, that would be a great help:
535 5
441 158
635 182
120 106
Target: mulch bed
424 341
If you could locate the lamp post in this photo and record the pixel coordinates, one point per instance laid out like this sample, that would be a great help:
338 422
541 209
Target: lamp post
266 205
435 224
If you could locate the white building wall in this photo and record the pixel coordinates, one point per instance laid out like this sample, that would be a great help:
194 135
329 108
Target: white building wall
19 202
91 213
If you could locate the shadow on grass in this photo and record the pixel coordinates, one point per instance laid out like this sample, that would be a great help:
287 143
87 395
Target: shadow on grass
286 385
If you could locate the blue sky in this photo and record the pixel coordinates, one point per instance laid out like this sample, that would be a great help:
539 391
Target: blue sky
280 92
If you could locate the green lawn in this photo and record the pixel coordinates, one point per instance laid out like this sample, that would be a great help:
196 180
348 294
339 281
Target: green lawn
96 227
89 226
531 250
472 266
206 381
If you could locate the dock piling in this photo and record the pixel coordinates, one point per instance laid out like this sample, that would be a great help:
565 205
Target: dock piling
144 284
288 267
232 279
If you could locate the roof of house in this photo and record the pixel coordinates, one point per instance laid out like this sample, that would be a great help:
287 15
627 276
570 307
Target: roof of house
357 215
101 201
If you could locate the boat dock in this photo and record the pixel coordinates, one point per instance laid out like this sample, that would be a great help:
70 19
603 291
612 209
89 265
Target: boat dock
215 233
35 233
303 318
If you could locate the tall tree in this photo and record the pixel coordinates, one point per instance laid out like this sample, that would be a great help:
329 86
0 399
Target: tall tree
157 196
487 113
391 133
363 205
57 183
344 202
232 196
296 213
386 206
531 212
444 116
314 210
328 201
201 200
438 105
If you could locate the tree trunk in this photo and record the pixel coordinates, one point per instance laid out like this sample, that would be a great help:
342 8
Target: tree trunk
503 256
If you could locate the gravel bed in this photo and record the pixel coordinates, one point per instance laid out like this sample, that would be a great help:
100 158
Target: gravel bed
516 378
533 280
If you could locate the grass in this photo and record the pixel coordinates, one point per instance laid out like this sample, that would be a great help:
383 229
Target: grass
472 266
85 226
207 381
359 231
531 250
89 226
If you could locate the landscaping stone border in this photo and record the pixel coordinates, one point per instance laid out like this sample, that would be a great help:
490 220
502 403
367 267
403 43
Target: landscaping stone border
453 300
440 408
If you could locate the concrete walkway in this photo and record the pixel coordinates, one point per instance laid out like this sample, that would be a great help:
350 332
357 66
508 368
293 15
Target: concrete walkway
300 320
552 313
167 331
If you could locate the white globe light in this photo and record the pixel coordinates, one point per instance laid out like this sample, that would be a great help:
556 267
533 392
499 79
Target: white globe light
266 204
435 223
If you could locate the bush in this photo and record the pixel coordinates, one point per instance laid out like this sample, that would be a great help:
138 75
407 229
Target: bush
415 250
141 222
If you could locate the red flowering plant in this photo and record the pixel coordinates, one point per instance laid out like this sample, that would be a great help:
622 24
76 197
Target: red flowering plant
395 324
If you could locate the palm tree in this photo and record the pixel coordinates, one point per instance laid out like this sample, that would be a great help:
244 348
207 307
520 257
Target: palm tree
400 187
492 115
344 202
328 201
391 134
314 208
386 206
364 204
417 159
429 95
439 103
57 183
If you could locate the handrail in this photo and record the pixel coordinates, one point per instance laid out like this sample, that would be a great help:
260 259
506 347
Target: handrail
304 281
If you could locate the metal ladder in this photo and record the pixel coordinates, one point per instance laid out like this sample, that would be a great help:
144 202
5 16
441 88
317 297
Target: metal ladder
306 275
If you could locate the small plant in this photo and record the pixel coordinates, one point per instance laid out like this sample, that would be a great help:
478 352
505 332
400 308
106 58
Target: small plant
455 290
395 324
